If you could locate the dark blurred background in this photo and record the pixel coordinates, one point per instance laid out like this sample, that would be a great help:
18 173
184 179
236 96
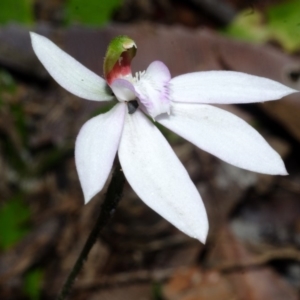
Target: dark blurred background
253 248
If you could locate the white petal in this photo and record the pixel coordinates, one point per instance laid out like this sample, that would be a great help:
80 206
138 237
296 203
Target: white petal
158 71
96 147
68 72
225 87
153 89
225 136
123 90
158 177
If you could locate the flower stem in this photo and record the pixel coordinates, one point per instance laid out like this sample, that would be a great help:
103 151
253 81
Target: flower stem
112 198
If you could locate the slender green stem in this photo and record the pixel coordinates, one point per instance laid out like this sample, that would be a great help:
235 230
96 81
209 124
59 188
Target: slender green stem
112 198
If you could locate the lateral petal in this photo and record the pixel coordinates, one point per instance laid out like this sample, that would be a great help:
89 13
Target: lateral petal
225 136
158 177
96 147
68 72
225 87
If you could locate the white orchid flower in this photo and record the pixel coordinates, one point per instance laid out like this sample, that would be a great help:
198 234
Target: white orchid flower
181 104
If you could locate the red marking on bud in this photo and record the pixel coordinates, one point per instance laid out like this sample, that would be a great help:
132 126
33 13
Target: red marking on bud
121 68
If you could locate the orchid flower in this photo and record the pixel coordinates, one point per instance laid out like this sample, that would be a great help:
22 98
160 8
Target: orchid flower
183 105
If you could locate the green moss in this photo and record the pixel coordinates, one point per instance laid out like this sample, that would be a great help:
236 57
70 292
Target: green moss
14 220
33 283
20 11
92 12
281 23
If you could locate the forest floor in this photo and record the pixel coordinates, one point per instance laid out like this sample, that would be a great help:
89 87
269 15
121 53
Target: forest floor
253 247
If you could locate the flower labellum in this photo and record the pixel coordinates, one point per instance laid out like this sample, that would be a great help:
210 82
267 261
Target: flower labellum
182 104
